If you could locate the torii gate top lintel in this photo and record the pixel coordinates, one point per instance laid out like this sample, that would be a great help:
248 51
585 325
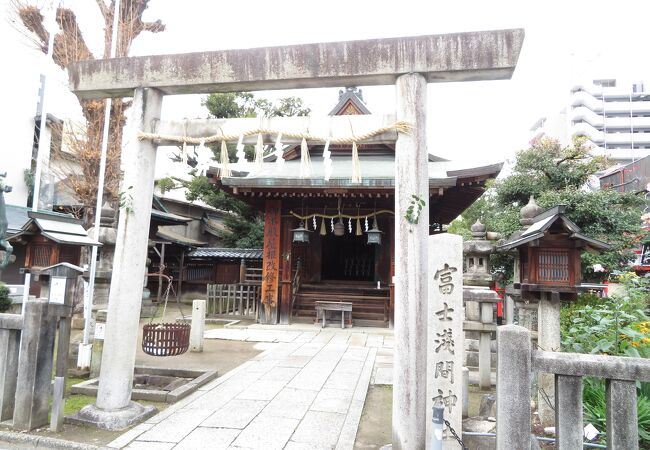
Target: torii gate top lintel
482 55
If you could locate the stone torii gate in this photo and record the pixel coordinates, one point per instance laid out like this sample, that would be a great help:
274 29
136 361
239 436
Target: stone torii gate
409 63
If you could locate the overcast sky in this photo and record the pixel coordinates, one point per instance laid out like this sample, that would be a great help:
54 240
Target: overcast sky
566 41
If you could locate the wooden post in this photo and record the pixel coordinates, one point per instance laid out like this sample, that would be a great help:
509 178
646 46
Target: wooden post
268 313
287 262
242 271
180 275
161 267
411 272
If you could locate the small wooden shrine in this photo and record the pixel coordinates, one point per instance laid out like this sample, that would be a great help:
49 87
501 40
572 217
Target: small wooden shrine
330 215
42 239
549 252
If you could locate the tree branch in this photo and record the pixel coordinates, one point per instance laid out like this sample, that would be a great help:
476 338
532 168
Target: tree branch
106 12
154 27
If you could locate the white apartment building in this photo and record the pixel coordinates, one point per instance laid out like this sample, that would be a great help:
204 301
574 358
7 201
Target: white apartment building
614 117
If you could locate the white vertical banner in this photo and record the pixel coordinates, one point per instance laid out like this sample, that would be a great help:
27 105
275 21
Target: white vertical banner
445 341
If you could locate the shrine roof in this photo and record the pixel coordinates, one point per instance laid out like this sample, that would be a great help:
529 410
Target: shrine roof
226 253
179 239
376 171
166 218
17 217
60 228
541 225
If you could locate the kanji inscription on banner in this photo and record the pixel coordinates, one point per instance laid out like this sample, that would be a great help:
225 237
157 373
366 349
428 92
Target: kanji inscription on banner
271 261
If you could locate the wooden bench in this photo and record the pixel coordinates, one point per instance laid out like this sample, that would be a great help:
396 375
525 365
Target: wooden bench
323 307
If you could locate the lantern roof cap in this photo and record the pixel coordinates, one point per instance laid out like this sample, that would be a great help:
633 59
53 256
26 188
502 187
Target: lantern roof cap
541 225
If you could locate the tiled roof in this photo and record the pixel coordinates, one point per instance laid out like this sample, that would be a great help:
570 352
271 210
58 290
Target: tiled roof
234 253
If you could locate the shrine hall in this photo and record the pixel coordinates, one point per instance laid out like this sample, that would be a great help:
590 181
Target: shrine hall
329 230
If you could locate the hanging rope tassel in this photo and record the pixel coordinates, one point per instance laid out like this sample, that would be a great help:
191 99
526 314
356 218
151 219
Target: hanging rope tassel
259 153
279 153
356 165
323 228
359 232
225 161
305 160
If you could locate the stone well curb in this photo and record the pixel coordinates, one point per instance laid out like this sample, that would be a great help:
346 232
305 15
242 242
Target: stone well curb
45 441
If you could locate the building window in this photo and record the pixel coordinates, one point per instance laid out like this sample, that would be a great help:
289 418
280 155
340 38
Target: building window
553 266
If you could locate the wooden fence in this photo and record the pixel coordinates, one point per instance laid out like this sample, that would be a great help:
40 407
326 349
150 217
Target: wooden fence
239 300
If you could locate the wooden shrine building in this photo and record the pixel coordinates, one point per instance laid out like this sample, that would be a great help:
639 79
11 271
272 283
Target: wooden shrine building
319 220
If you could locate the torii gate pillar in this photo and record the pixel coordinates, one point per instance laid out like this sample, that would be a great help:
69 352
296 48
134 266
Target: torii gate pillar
411 260
114 409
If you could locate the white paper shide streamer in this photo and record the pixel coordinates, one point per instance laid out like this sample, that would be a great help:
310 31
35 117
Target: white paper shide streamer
279 153
203 157
327 160
259 153
241 156
305 160
356 165
184 153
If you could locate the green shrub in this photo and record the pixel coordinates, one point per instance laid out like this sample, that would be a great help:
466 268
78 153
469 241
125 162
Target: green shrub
617 325
5 301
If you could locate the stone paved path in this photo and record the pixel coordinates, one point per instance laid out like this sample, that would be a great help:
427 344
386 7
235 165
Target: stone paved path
306 391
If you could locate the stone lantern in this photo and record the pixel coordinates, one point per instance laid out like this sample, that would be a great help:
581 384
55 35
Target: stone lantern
548 270
478 298
476 253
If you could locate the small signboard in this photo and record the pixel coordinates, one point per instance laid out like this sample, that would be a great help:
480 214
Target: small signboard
57 290
100 330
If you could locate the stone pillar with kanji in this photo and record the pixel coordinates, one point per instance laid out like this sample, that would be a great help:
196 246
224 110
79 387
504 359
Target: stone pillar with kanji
445 343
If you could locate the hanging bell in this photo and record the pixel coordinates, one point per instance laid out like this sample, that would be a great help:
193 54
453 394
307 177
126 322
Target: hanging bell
339 228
